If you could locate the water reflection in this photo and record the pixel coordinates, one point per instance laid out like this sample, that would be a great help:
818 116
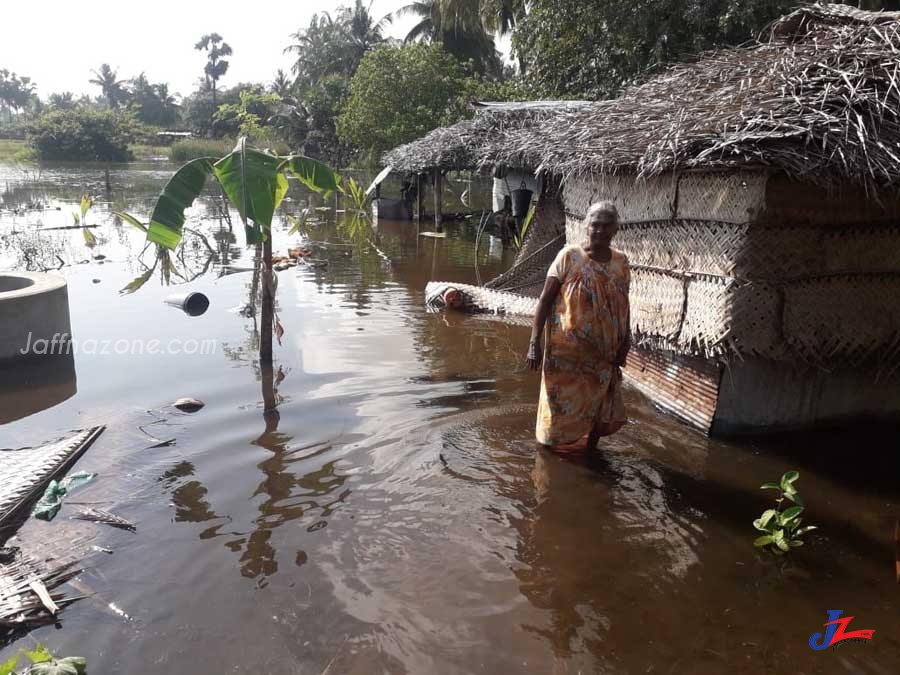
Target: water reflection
36 384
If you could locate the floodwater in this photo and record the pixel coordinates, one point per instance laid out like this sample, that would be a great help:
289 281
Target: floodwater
394 515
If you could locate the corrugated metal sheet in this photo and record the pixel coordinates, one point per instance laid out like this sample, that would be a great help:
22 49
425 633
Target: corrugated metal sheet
684 386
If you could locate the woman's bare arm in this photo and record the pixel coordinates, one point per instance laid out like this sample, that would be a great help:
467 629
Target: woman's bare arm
545 306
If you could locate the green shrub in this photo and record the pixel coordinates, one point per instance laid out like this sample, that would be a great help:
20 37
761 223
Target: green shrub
83 135
185 151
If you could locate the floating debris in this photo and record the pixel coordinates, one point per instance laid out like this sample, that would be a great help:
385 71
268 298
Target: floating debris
101 549
51 501
23 473
188 405
105 517
26 596
192 304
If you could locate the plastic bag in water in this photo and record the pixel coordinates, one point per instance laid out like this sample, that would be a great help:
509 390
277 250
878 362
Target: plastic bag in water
49 504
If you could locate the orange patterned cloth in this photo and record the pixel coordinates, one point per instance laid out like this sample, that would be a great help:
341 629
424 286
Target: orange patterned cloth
580 385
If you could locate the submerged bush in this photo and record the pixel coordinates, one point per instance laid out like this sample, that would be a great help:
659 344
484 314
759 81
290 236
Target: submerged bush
185 151
82 135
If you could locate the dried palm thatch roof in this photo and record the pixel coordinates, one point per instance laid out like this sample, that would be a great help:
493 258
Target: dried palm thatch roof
819 100
472 143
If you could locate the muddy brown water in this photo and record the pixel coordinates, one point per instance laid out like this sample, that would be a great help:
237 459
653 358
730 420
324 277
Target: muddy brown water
394 515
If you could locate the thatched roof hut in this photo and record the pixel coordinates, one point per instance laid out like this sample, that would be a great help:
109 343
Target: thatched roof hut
477 142
758 193
819 100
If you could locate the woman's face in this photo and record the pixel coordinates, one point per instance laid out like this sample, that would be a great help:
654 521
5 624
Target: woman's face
602 227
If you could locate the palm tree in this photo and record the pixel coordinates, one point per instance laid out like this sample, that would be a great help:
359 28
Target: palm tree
502 16
361 33
216 66
62 101
428 28
168 105
282 84
106 79
459 25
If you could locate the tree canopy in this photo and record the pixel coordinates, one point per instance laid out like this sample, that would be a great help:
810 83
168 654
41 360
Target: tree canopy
398 94
592 48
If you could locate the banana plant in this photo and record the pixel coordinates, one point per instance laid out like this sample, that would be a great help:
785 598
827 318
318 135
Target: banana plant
255 182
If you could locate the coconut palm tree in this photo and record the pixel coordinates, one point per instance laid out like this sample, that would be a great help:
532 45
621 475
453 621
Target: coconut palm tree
62 101
107 79
168 105
335 45
459 25
282 84
502 16
361 33
216 66
316 47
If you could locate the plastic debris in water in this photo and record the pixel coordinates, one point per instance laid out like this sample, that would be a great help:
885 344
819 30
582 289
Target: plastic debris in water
186 404
49 504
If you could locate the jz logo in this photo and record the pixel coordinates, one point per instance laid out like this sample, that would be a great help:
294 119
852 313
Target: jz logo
837 632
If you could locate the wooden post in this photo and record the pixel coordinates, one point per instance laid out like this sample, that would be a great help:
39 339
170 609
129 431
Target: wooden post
420 198
438 193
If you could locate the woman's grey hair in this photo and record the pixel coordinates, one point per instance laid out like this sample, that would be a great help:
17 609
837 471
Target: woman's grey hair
605 208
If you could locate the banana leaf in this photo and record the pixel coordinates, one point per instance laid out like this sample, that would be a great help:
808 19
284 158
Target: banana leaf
178 194
131 220
313 174
250 178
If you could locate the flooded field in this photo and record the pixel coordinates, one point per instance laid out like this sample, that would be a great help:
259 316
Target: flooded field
394 515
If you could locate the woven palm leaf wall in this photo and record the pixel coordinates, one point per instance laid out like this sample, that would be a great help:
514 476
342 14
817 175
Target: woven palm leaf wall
734 264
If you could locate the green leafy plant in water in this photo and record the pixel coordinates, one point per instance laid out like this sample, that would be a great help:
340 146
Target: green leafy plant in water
86 203
44 663
355 192
782 528
162 260
299 223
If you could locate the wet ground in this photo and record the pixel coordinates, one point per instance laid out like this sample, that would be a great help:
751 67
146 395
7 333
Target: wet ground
394 514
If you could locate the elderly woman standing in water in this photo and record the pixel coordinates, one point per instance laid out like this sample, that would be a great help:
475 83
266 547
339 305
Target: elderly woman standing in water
584 306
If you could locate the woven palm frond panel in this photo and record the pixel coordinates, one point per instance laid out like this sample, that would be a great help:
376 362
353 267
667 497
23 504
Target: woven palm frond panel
845 318
779 253
488 300
789 203
657 300
637 200
862 248
24 472
727 316
732 197
527 275
754 320
697 246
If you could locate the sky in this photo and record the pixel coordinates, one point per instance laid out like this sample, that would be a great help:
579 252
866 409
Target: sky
58 42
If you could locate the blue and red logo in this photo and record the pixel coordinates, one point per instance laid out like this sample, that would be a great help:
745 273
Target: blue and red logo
837 632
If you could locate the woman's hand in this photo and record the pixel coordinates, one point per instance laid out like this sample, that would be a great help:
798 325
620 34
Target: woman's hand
533 358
